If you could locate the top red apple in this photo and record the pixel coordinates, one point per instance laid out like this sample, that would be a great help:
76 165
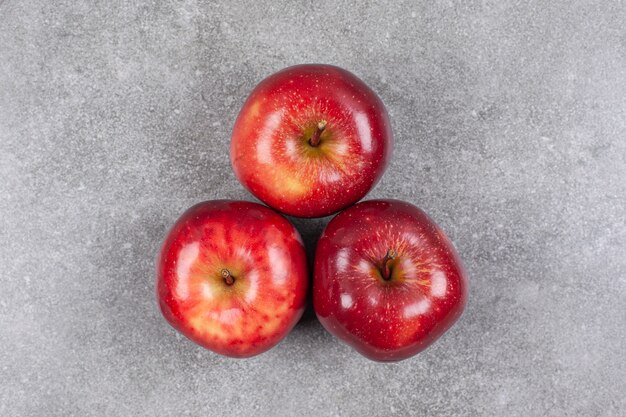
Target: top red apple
311 140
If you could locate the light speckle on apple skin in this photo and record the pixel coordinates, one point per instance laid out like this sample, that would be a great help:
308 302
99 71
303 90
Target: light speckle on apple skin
272 158
387 320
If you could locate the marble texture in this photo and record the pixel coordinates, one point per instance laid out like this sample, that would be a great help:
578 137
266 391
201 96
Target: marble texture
510 127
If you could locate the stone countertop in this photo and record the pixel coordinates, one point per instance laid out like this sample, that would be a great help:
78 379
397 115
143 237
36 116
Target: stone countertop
509 119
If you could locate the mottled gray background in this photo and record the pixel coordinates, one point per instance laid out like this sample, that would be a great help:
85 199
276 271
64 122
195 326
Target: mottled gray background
509 119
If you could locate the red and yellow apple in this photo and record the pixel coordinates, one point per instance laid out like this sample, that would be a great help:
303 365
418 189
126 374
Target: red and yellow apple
232 277
387 280
311 140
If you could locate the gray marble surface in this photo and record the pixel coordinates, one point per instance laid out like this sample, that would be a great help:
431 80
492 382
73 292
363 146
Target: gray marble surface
509 120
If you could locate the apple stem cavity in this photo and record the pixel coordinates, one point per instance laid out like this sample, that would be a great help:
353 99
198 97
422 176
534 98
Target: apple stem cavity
228 278
386 270
315 139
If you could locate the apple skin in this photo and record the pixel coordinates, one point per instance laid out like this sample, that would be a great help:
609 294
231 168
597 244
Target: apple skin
387 320
265 256
271 152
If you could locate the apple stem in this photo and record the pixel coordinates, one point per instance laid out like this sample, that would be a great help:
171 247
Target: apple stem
228 278
315 139
386 272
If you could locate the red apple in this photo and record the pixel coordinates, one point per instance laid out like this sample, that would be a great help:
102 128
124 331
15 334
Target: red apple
232 277
387 280
311 140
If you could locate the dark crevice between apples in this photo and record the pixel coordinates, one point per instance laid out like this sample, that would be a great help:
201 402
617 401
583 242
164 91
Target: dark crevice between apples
310 231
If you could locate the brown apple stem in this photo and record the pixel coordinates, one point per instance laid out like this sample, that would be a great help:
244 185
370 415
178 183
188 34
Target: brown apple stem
315 139
386 271
228 278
